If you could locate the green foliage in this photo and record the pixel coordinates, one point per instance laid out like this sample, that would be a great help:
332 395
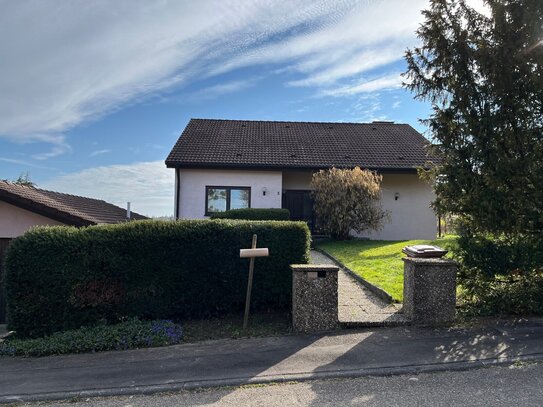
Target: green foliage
520 295
483 76
61 278
346 200
129 334
501 274
253 214
23 179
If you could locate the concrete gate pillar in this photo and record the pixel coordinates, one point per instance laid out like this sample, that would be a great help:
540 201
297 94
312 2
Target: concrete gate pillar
429 291
314 297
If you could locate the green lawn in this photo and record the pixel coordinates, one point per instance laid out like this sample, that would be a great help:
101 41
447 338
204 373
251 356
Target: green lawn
378 261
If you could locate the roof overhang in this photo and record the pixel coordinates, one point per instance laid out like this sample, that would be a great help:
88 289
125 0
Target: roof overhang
43 210
260 167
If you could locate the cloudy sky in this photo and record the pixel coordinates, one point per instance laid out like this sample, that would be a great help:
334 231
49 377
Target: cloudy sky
93 94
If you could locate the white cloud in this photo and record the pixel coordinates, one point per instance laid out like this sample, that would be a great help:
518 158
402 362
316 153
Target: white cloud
147 185
391 81
77 60
221 89
25 163
366 107
348 67
99 152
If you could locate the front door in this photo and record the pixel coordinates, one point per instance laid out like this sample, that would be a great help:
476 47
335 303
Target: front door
300 205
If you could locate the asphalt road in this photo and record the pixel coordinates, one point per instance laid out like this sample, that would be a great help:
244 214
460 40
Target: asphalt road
517 385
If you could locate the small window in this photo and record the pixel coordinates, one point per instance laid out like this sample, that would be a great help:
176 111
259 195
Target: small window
219 199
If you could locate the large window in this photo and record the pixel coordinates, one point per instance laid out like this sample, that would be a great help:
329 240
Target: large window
219 199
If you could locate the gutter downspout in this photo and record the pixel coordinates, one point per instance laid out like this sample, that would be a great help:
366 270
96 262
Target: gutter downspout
177 191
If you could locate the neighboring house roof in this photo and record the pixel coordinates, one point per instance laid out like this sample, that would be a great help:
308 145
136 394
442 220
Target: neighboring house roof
70 209
207 143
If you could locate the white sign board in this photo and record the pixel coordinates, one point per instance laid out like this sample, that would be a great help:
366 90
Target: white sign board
247 253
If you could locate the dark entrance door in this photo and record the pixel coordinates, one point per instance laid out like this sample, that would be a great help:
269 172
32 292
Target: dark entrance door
300 205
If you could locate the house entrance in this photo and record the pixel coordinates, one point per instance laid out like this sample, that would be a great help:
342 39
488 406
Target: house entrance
300 205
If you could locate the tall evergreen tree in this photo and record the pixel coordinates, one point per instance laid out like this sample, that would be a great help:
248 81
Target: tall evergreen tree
483 74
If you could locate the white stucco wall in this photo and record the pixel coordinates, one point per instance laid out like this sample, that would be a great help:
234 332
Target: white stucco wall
193 182
410 216
14 221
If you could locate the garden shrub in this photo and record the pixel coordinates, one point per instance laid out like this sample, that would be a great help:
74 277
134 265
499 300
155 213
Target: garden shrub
128 334
253 214
501 274
348 200
60 278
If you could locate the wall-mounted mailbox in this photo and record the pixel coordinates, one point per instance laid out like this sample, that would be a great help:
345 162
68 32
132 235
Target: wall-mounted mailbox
424 250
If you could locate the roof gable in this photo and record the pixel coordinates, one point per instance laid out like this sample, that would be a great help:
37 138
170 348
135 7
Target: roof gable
274 144
70 209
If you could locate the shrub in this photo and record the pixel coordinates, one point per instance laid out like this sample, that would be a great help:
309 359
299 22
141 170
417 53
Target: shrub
254 214
61 278
501 274
346 200
129 334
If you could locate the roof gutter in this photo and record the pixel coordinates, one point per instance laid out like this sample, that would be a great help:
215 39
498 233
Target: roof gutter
205 166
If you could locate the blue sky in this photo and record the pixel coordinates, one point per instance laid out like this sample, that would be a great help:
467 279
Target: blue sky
93 95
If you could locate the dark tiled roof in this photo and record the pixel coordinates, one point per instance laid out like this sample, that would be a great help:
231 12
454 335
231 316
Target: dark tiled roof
70 209
271 144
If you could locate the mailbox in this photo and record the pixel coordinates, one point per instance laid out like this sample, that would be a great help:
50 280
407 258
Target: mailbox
424 250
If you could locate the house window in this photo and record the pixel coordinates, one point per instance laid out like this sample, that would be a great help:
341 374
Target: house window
219 199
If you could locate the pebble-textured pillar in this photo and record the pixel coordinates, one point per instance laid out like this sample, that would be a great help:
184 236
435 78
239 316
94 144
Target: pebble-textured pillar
314 297
429 290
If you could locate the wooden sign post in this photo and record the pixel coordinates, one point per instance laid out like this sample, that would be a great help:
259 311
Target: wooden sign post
251 253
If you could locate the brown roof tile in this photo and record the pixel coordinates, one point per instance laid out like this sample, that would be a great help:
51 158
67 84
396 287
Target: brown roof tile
66 208
275 144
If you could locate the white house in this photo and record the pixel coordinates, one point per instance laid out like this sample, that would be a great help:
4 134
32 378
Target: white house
227 164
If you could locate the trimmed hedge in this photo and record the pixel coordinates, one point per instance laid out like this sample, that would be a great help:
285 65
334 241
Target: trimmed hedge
61 278
253 214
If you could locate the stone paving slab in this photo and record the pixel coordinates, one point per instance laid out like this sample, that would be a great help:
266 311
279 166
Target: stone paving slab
357 304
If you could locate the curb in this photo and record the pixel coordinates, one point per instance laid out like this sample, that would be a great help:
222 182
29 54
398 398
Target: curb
379 292
296 377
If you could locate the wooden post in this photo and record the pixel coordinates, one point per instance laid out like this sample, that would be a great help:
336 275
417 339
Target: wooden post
249 286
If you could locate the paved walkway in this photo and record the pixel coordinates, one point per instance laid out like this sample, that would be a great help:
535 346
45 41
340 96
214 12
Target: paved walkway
369 352
358 304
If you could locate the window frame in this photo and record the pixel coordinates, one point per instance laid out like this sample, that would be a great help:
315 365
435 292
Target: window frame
228 196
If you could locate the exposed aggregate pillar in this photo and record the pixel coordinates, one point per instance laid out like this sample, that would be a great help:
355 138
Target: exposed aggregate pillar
314 297
429 291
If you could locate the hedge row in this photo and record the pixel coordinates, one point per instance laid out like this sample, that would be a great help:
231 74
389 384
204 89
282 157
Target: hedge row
254 214
63 278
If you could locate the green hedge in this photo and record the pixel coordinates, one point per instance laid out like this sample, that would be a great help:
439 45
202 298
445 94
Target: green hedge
254 214
62 278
